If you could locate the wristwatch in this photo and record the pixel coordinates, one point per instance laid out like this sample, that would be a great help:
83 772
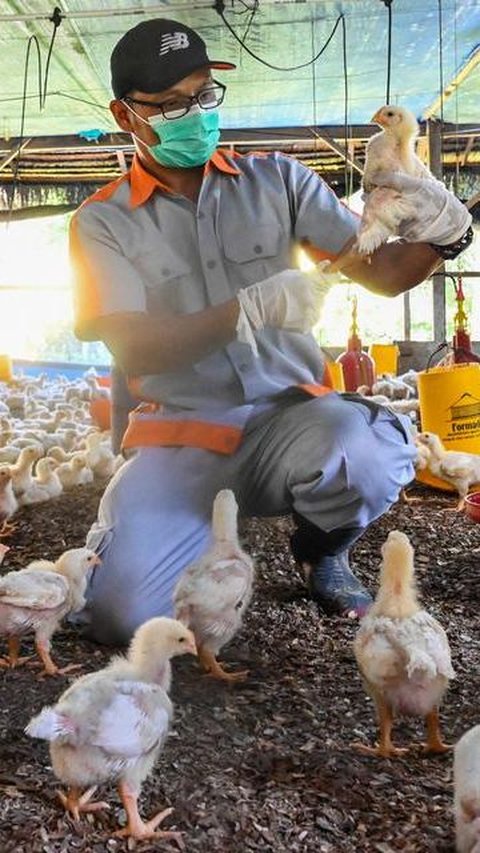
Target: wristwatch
449 252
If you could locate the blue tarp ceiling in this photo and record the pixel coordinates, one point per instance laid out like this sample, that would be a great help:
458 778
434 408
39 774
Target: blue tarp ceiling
283 32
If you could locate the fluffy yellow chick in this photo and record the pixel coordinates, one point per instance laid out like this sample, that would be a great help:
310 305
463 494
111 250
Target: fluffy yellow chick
46 483
466 781
8 502
99 456
110 726
393 148
75 472
35 600
461 470
402 652
214 592
21 471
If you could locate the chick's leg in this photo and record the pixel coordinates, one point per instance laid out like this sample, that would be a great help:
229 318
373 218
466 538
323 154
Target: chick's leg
214 669
50 668
7 529
136 827
13 658
434 738
75 802
385 747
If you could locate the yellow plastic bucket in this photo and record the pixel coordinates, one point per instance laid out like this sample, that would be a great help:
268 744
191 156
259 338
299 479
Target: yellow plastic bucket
6 372
450 407
385 357
334 370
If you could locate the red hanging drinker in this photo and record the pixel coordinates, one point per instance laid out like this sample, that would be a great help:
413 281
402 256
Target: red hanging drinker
358 367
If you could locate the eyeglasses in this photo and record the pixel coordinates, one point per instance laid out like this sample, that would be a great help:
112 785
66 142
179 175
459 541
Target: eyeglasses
208 98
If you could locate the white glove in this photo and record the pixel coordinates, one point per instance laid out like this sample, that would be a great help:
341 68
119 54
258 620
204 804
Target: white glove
441 219
290 300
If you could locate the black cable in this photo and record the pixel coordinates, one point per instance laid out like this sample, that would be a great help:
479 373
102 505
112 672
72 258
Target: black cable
437 349
220 6
56 20
440 57
250 20
345 93
388 4
33 39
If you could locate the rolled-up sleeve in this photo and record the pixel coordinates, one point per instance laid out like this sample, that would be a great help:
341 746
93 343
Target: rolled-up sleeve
320 220
104 280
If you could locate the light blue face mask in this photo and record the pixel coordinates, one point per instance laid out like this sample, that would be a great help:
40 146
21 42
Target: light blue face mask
185 142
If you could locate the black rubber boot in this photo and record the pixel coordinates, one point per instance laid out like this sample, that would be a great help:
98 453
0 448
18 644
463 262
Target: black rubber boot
324 557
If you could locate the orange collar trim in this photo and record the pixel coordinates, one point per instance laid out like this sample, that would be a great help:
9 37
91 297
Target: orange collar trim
143 184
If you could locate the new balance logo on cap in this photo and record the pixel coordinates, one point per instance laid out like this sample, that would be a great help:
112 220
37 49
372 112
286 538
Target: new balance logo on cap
173 41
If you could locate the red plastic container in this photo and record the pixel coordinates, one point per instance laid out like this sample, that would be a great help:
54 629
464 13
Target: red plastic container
358 367
472 506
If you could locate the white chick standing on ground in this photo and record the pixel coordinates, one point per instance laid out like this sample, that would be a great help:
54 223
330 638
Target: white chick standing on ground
214 592
35 600
46 483
466 782
21 471
110 726
402 652
460 469
8 502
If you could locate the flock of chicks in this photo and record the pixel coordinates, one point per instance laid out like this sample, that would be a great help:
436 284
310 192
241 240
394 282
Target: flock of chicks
48 442
111 725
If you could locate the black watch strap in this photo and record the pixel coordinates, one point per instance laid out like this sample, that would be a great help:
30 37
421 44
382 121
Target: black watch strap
453 249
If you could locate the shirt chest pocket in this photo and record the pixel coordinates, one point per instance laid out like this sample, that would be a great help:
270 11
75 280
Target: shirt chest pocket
250 245
160 267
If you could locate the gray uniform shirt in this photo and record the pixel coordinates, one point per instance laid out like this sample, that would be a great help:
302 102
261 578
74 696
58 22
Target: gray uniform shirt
136 246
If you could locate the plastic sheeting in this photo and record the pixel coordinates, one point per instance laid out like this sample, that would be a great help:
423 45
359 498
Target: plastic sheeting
285 33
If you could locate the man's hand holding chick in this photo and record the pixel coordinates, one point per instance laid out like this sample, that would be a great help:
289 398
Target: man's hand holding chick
442 219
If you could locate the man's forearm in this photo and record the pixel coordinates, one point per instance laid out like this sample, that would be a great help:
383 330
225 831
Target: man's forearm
394 268
143 344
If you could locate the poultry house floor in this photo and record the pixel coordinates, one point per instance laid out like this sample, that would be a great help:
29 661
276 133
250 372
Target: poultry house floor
267 765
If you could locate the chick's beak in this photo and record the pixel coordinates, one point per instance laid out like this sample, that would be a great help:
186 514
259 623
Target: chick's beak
377 118
192 646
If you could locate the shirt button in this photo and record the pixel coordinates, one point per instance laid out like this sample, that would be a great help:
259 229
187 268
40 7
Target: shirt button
211 264
257 249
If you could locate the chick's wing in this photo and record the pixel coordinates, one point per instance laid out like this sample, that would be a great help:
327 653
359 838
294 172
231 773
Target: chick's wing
33 589
134 722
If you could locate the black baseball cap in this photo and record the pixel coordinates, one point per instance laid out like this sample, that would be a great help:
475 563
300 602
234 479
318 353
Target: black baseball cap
155 55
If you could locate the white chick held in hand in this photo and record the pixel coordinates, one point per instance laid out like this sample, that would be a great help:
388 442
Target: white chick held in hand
466 781
214 592
402 652
35 600
110 726
391 150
